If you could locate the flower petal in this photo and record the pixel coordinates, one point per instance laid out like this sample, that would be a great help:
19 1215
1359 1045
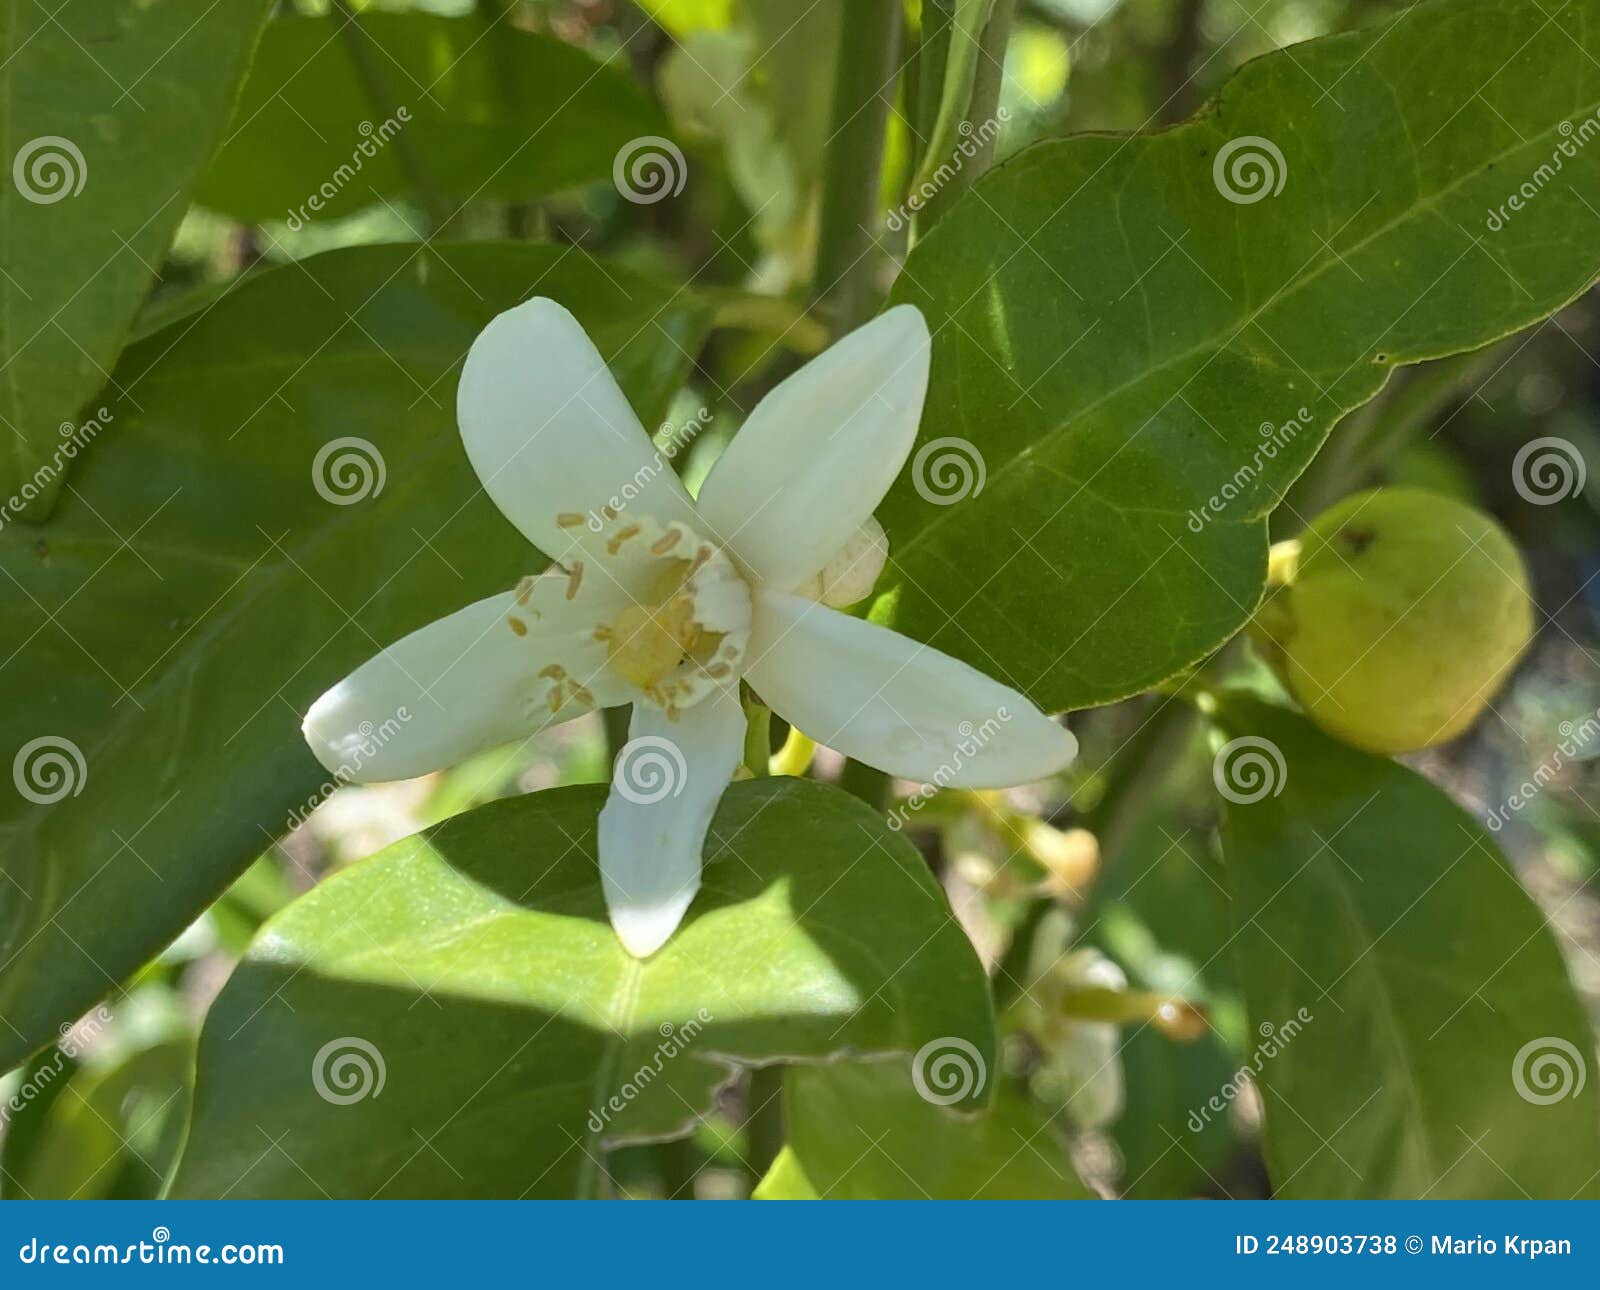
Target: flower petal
549 432
665 787
893 703
819 452
463 684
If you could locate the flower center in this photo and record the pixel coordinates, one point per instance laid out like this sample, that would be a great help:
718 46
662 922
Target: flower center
685 632
650 640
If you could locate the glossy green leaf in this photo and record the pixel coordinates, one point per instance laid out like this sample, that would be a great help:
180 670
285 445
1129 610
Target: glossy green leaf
482 111
1446 1054
108 109
224 558
1125 329
864 1131
502 1037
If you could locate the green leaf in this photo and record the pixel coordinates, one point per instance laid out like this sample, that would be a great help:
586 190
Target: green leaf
490 113
108 108
473 965
862 1131
1171 1143
196 592
112 1133
1443 1030
1111 331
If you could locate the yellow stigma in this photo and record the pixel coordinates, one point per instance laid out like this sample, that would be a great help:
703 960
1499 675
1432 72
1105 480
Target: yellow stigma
648 641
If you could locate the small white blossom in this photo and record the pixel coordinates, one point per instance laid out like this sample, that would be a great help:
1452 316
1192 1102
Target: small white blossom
665 603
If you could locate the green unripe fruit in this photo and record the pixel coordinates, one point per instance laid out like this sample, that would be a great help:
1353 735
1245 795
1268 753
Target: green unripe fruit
1397 615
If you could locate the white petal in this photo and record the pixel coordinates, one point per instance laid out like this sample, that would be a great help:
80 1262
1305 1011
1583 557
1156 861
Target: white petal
549 432
819 452
890 702
462 684
665 787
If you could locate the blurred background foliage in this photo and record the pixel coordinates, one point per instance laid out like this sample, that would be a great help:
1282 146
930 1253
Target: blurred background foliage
1100 893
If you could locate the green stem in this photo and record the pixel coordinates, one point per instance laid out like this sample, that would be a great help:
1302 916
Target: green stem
1137 774
364 57
931 64
981 118
853 160
765 1125
757 736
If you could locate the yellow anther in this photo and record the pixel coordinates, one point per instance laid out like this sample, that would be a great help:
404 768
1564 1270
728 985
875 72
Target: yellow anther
614 544
664 544
518 626
574 578
568 519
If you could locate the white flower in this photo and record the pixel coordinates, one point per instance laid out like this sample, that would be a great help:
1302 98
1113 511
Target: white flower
665 603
